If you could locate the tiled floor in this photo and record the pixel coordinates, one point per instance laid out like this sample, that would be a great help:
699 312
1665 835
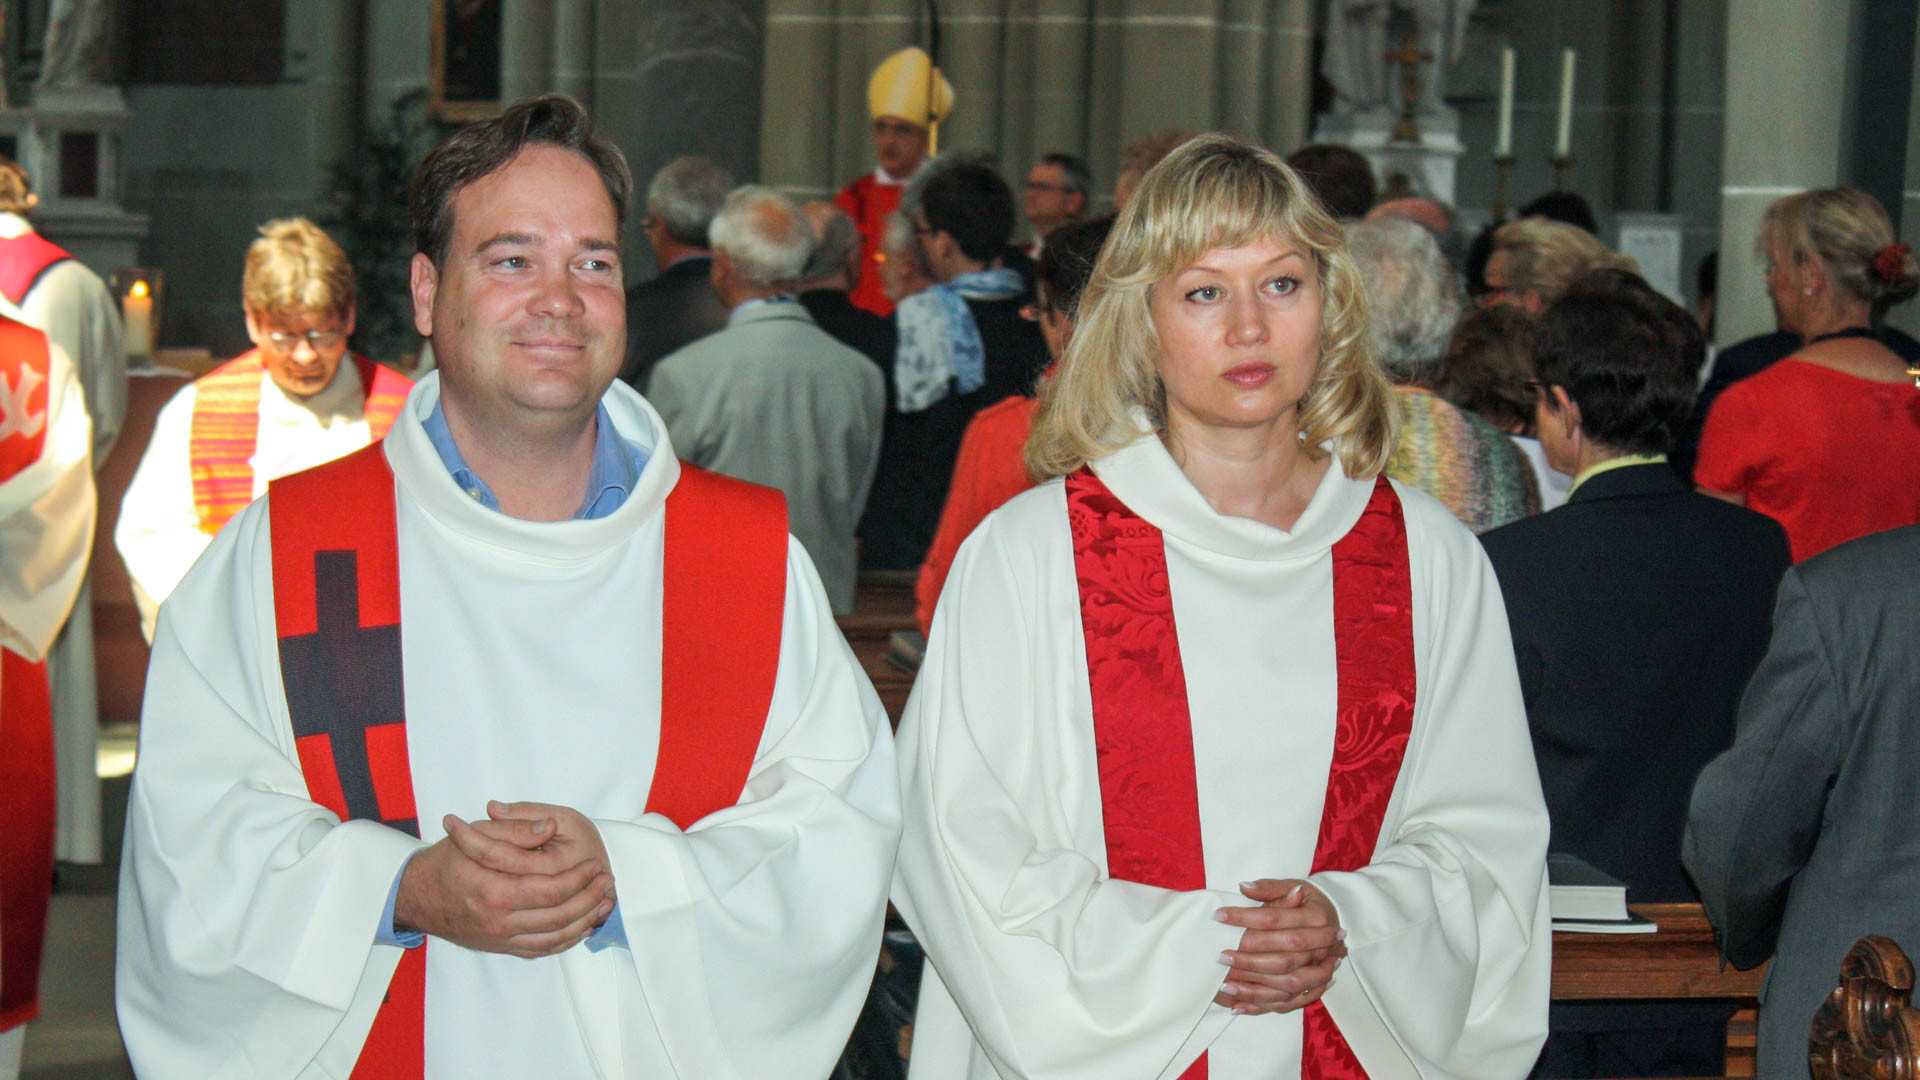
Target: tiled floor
76 1037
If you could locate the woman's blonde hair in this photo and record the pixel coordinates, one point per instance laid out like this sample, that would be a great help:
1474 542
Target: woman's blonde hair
1213 192
1548 256
1849 231
296 269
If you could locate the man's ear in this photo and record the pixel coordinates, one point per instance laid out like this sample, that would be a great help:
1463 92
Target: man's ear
423 281
1565 410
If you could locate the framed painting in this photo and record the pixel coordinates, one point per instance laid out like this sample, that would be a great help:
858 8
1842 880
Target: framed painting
463 73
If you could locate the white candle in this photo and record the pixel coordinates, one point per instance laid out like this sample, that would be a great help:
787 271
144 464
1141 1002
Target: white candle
1503 143
136 312
1563 142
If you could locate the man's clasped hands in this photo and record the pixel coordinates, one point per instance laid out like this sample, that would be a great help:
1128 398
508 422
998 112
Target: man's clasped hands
531 880
1290 945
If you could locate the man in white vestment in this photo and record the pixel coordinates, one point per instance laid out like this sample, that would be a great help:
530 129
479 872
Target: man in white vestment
53 292
534 510
295 400
46 534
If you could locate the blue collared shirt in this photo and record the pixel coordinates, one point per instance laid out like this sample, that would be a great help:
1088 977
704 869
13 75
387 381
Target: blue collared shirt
615 471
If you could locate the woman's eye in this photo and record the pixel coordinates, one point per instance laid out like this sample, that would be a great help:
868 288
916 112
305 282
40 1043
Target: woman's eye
1283 286
1206 294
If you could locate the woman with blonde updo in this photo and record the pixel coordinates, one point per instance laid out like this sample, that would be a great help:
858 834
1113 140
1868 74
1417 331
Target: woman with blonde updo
1217 760
1827 441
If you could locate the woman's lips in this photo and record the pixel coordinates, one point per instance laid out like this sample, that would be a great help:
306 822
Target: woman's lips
1250 376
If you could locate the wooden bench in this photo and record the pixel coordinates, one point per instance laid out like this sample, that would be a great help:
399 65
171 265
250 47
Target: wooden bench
1680 961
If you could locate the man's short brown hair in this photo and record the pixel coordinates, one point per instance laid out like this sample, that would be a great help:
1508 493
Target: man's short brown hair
296 269
16 192
478 150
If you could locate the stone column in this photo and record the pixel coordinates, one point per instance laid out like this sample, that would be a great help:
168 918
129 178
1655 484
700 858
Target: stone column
526 48
1289 76
1783 135
337 76
1907 315
573 35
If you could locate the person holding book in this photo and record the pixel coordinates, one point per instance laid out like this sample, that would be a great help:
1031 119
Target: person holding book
1639 609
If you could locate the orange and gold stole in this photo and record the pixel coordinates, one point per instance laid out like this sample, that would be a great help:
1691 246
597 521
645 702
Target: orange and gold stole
226 425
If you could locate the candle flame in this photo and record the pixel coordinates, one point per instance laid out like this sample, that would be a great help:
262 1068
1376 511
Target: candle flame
139 289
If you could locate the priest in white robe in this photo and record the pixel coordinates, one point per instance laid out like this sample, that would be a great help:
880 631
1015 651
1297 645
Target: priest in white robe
47 288
46 535
297 399
1225 553
259 931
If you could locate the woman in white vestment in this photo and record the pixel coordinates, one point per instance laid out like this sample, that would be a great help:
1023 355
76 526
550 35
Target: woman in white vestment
1217 764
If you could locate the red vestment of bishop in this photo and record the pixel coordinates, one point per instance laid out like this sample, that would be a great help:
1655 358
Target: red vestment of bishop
26 711
1143 734
336 588
868 201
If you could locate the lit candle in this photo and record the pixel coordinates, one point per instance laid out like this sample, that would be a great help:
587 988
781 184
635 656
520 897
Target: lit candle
1563 142
1503 144
136 312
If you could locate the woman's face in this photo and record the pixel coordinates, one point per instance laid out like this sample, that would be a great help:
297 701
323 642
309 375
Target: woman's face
1239 337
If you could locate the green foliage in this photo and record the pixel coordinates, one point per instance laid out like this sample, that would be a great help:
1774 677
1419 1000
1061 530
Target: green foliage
366 214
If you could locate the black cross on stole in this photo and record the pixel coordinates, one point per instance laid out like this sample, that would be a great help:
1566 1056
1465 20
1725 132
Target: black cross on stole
343 679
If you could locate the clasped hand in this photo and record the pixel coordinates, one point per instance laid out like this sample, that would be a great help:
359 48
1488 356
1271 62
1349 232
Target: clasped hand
1291 944
530 880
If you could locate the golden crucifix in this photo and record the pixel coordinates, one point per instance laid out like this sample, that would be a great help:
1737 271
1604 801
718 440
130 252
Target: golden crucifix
1409 56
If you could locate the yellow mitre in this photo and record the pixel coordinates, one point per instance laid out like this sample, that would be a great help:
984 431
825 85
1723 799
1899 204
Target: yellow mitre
901 84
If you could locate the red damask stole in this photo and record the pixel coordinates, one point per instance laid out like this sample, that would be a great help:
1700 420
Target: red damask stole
1143 734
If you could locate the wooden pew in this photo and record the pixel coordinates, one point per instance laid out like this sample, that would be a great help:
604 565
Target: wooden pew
1679 961
882 604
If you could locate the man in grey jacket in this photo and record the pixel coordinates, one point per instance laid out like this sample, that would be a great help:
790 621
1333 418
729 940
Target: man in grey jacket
1801 837
772 398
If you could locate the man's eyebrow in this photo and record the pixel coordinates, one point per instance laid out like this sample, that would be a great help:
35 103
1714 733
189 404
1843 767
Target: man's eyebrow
505 238
599 245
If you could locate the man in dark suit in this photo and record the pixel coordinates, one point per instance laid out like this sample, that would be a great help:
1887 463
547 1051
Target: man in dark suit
1801 836
827 284
678 305
1638 611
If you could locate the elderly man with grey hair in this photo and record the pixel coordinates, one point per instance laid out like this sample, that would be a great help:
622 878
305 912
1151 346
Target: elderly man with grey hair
678 305
1414 301
826 286
772 398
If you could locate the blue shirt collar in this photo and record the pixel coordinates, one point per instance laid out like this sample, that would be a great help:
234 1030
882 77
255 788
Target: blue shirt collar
616 466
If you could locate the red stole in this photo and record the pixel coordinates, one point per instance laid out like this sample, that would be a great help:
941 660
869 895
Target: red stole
336 583
868 202
26 713
1143 731
23 259
226 428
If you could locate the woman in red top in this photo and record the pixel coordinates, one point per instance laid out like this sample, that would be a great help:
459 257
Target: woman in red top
1827 441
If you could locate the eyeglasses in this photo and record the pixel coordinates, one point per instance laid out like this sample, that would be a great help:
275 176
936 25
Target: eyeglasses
319 340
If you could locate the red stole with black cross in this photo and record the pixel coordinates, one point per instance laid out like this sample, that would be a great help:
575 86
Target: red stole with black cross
1143 733
336 585
26 712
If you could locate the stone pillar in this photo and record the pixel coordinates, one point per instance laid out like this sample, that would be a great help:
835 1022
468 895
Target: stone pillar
526 49
573 35
1289 77
1783 135
1907 315
802 97
338 64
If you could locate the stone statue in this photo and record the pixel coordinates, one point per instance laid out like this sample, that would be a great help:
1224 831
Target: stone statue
79 46
1360 34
